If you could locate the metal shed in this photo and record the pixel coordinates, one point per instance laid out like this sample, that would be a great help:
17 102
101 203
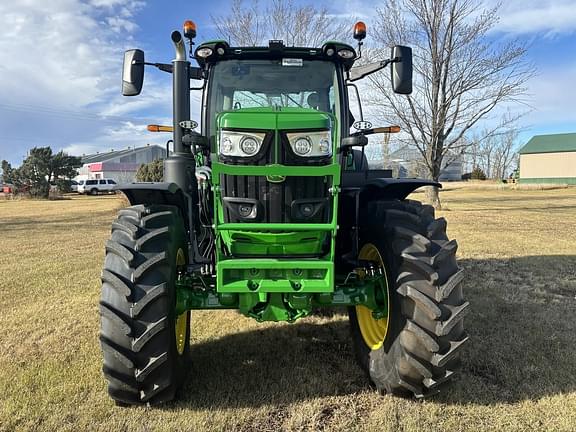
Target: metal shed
549 159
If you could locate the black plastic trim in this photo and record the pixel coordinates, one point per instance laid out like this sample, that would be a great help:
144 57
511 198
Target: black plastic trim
392 188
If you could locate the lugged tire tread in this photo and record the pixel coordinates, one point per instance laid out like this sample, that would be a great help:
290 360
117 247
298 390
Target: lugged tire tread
140 363
146 220
116 351
418 239
426 303
151 295
115 316
426 279
152 330
122 381
147 265
432 384
428 341
126 226
457 314
152 235
421 266
115 282
420 366
153 364
444 291
156 390
120 250
440 360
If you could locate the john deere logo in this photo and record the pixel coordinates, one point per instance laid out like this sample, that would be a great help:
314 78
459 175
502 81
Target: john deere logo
275 178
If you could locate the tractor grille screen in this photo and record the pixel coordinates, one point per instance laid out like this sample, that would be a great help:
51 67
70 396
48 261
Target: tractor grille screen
294 200
261 199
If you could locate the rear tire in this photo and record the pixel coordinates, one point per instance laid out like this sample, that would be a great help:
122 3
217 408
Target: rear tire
143 361
425 331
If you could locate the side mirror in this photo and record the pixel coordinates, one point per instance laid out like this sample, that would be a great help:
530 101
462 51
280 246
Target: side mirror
353 141
133 72
402 69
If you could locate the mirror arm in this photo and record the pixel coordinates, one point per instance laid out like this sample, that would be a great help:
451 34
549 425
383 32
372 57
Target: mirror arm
377 130
162 66
378 66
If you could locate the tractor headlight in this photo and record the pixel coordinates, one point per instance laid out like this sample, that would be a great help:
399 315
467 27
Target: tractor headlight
302 146
249 145
311 144
240 144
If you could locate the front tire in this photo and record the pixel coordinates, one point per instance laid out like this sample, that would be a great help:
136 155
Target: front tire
414 350
145 345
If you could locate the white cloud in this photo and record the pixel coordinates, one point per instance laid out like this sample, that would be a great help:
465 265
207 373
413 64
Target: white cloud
60 65
537 16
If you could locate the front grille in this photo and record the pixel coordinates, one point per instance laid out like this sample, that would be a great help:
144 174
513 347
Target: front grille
293 200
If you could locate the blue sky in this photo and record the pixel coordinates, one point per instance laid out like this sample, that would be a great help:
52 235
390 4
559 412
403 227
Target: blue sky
60 65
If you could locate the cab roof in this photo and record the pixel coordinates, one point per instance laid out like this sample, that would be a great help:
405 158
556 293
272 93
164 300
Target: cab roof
333 51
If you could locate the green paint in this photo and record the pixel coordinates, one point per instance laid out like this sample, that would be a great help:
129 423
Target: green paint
288 304
555 143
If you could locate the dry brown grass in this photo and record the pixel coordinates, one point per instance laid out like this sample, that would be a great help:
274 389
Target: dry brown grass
519 250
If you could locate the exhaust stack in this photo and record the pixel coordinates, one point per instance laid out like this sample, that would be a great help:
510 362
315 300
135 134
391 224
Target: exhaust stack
179 46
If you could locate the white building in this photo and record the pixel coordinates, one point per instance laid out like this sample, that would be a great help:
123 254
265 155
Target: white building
120 165
407 162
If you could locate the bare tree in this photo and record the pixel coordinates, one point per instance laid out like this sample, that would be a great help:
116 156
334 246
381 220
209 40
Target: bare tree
252 25
460 75
495 154
505 154
494 150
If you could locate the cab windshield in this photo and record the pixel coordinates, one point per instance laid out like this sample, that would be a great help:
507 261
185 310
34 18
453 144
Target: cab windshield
294 83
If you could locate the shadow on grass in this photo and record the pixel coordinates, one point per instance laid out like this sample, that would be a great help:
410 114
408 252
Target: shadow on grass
275 365
521 326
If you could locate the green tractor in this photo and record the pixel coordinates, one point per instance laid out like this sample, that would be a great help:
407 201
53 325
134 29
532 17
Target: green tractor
271 209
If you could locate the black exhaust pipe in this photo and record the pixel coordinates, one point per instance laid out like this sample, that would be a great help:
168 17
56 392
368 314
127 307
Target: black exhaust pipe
180 166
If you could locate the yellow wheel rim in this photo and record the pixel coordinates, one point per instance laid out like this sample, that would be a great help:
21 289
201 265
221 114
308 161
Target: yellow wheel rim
373 330
182 320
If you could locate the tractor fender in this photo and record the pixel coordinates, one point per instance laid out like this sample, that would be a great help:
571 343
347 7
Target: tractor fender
155 193
392 188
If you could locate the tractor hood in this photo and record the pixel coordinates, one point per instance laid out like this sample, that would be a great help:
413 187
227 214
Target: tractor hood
275 118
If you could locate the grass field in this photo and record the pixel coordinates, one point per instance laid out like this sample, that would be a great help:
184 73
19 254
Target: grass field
519 369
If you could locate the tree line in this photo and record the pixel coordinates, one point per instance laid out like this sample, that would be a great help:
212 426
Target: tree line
41 169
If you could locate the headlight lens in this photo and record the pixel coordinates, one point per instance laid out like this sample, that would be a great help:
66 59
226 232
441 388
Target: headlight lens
346 53
240 144
302 146
204 52
249 145
311 144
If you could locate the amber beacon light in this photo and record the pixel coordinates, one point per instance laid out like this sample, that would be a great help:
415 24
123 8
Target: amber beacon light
359 30
189 29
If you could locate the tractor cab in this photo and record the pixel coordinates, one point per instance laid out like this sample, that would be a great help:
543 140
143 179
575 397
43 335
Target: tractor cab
276 78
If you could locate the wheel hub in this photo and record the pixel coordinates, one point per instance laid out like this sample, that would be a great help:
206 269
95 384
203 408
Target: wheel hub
373 330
